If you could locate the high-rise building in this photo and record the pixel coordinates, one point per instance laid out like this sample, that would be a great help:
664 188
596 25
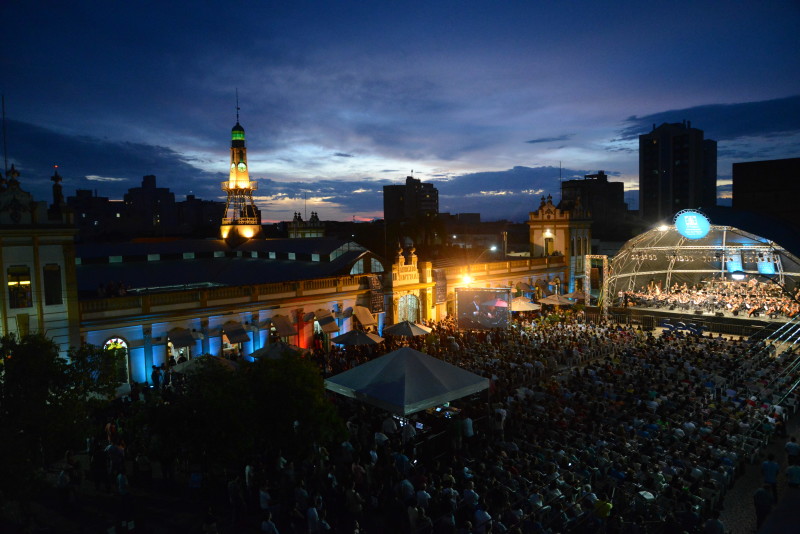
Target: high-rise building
150 208
603 200
413 201
677 171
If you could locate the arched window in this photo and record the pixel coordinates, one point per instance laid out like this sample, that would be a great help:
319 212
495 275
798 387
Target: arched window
358 267
408 309
376 266
115 343
120 345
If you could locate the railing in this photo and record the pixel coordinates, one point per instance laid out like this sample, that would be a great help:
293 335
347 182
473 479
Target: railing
110 304
251 186
240 220
176 297
274 288
201 297
229 292
502 266
323 283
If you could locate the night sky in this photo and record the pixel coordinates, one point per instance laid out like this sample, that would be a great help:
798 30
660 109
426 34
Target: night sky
339 98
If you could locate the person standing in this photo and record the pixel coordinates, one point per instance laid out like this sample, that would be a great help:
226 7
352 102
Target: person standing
792 451
236 499
763 501
155 376
770 469
793 476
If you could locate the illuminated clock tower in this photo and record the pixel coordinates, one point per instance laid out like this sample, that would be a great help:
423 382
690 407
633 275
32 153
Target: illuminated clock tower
241 217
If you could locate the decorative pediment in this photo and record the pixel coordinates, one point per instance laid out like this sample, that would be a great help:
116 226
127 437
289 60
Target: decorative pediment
16 205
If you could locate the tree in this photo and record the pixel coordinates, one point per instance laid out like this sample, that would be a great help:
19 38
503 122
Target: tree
212 415
44 404
291 410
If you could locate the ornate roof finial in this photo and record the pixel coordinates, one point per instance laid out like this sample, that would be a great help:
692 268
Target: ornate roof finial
237 105
13 174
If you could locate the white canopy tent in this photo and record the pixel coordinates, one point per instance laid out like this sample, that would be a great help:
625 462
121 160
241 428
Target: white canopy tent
406 381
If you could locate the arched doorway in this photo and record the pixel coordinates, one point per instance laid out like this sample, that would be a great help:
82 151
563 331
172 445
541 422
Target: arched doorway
120 345
408 309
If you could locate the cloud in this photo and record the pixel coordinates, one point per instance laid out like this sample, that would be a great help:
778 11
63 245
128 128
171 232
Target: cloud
112 167
510 194
343 155
85 161
95 178
721 122
565 137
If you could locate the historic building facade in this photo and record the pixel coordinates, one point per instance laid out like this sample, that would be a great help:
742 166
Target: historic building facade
564 233
37 261
170 297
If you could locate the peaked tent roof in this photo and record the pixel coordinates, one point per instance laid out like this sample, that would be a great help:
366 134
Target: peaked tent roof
406 381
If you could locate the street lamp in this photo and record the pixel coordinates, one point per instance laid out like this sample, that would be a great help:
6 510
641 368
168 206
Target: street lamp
467 278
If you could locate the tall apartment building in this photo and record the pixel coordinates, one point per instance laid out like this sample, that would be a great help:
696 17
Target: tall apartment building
412 201
151 207
677 171
604 201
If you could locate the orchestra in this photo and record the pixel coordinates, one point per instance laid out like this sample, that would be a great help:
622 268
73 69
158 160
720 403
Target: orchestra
747 298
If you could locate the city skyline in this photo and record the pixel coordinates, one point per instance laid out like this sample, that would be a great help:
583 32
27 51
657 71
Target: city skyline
338 100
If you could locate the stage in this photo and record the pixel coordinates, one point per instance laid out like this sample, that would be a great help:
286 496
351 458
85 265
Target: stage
649 318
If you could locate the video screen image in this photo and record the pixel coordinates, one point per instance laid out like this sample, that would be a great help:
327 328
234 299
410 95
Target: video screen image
482 308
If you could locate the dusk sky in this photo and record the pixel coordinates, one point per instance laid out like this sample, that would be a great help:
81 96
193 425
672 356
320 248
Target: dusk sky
340 98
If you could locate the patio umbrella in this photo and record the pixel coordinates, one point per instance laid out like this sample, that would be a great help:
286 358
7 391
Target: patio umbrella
558 300
407 329
497 303
277 350
357 337
577 295
523 304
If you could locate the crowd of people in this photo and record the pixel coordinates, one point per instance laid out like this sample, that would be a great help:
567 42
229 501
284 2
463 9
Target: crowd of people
586 428
750 298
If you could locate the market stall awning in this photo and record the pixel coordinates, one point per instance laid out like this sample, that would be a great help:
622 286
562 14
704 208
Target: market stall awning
235 332
283 326
364 316
180 337
326 321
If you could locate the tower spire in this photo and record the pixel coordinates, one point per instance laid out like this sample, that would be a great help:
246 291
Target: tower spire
241 219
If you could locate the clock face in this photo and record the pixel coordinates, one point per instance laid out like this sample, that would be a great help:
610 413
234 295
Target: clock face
242 167
233 166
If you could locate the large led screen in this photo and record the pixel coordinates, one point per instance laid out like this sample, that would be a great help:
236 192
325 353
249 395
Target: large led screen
482 308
